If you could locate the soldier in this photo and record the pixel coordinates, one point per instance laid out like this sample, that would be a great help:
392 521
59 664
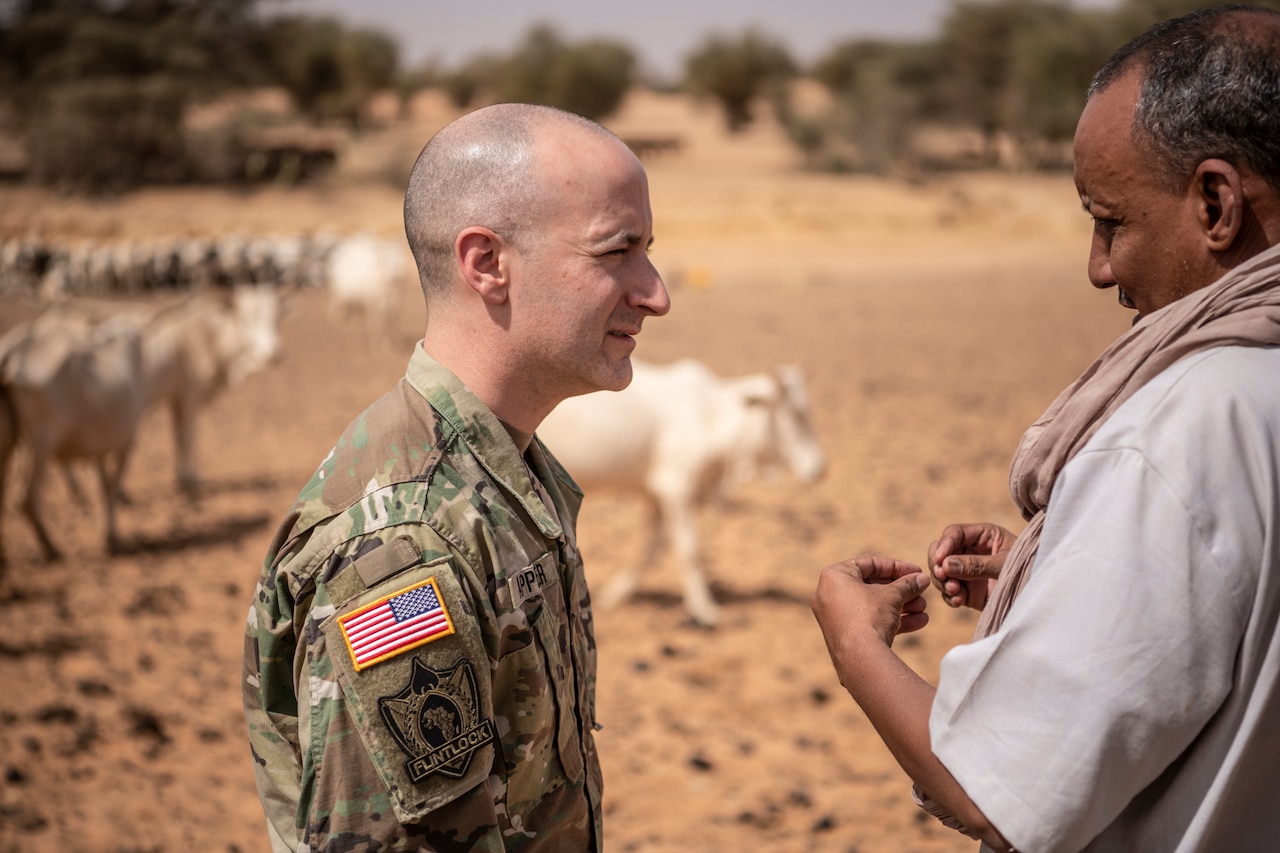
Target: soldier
419 660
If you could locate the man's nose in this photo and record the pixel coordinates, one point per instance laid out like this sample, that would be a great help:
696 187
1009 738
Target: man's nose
1100 264
652 296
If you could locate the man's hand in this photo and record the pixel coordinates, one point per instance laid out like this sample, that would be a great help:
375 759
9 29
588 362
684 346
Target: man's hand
860 600
966 560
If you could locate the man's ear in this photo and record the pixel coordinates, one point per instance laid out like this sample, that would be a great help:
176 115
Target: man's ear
1220 203
483 260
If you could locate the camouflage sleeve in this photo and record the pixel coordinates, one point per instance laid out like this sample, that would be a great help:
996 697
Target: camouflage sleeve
374 729
271 706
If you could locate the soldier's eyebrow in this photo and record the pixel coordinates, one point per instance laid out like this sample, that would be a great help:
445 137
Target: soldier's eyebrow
630 238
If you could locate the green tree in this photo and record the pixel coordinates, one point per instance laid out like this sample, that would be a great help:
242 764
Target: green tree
470 80
1134 16
881 90
737 71
1051 61
329 70
589 78
976 55
99 87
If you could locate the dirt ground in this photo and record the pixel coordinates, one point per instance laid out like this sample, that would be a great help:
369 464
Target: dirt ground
933 321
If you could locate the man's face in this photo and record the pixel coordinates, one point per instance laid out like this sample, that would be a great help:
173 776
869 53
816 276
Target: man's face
1144 236
584 282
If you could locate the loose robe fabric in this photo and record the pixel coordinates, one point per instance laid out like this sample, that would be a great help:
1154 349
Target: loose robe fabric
1130 699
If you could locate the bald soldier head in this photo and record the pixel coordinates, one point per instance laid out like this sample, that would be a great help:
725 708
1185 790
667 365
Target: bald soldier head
531 229
481 170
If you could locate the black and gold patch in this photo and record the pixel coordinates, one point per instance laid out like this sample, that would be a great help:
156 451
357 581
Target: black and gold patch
436 719
425 715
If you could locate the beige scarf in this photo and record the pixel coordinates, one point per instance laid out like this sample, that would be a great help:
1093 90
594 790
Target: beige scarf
1240 309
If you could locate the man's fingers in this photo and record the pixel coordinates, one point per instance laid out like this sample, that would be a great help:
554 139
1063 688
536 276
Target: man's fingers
971 567
983 538
875 569
912 622
965 568
913 616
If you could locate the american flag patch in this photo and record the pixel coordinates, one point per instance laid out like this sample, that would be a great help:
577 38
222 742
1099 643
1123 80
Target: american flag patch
403 620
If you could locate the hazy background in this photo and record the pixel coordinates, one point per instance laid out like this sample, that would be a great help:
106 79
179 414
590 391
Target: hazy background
662 32
105 96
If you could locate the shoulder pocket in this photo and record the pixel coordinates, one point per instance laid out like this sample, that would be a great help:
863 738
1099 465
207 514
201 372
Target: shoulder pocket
415 675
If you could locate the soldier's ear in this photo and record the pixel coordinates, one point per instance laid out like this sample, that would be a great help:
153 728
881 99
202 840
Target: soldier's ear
483 258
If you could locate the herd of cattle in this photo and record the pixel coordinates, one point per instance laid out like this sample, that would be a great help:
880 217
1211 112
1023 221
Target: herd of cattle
50 268
199 314
77 379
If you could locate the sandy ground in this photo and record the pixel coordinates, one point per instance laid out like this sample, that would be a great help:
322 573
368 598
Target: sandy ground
933 321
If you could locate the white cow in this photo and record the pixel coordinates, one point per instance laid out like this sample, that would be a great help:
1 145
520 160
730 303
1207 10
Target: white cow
680 436
366 273
202 346
76 386
71 389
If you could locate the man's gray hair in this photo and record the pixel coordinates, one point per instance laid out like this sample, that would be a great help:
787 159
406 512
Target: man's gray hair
479 170
1210 89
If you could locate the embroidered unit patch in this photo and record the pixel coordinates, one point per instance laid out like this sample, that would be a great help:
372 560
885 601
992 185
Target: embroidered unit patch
402 621
436 720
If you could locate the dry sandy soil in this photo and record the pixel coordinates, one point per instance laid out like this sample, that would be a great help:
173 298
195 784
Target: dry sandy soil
934 321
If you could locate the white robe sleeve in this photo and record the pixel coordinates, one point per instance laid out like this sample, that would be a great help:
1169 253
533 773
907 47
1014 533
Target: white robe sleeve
1122 645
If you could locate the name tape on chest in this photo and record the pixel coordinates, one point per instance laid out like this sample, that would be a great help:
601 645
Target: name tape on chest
531 580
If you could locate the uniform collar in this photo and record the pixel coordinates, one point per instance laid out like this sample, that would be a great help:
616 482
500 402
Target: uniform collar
484 435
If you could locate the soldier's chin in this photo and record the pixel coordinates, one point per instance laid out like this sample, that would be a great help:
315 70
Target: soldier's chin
614 378
624 375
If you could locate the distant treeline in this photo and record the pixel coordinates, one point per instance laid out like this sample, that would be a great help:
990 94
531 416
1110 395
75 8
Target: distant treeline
99 92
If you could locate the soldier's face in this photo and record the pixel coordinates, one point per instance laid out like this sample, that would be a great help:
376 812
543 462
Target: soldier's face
585 283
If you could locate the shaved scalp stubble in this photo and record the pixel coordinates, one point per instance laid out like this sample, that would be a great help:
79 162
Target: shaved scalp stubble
480 170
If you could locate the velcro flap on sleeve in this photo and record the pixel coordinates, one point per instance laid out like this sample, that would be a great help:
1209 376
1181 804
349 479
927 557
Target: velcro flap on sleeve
416 676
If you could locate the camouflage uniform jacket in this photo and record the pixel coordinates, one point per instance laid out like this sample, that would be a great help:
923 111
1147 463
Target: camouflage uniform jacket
419 660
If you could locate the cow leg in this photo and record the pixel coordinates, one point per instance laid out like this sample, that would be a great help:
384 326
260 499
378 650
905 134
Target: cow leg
7 441
73 484
184 443
109 484
122 457
624 581
682 527
111 477
122 497
31 506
